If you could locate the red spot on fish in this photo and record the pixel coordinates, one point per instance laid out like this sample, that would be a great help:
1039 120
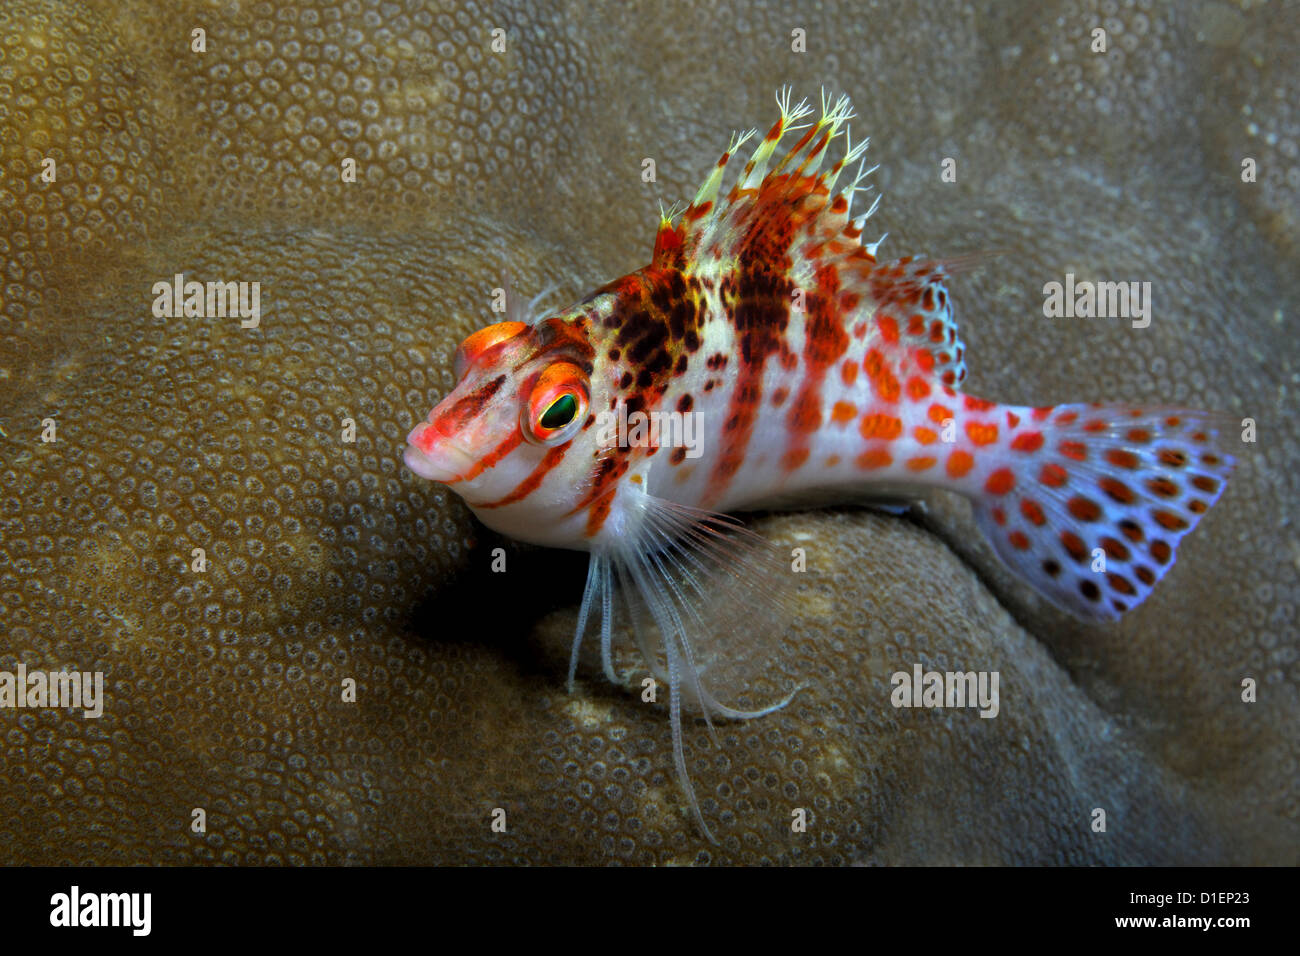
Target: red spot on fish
844 412
959 463
872 460
924 435
1115 549
1169 521
1085 509
1163 487
1173 457
1018 540
920 463
881 426
1053 476
1074 546
1073 449
1012 419
1121 458
1000 482
886 385
1116 490
849 372
1132 530
888 329
1027 441
1032 512
940 414
981 433
1120 583
918 388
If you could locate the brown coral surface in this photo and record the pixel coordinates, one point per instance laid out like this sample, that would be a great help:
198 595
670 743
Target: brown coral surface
328 561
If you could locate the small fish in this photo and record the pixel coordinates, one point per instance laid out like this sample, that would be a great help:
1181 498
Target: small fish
780 362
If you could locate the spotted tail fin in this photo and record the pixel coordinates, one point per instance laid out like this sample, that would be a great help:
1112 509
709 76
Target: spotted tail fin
1089 502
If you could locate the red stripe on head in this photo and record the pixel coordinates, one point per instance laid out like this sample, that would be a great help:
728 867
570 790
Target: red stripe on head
465 410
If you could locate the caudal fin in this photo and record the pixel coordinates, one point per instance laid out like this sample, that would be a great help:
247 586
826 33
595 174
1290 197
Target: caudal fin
1089 502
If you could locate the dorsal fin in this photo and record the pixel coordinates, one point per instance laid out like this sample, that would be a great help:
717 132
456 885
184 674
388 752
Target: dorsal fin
712 229
789 210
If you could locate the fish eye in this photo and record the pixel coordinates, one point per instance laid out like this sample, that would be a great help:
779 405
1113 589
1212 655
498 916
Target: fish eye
561 412
557 406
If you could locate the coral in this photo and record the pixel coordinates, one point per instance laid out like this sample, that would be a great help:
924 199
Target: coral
328 560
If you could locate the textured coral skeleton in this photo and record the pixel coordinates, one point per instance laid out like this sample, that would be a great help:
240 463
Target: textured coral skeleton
329 562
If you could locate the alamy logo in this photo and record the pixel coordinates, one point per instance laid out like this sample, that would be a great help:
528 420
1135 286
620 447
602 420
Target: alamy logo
53 689
102 909
210 300
946 689
650 430
1102 300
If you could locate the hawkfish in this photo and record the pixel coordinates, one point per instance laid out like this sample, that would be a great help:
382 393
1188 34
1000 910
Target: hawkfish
808 369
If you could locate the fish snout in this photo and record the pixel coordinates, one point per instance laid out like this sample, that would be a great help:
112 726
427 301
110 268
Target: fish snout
431 455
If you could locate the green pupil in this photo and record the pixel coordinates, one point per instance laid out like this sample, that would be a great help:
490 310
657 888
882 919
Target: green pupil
560 413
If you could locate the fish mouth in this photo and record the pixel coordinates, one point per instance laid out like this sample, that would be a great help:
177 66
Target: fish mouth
444 462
